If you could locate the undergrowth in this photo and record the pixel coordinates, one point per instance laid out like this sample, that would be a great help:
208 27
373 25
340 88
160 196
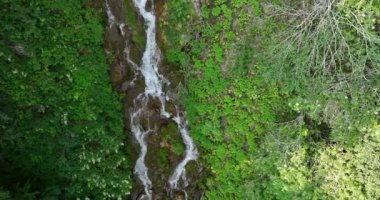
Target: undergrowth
278 93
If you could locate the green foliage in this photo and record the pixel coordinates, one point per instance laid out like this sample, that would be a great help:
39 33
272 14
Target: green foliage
351 173
226 127
181 13
340 105
225 124
61 123
216 11
299 89
329 58
281 164
4 195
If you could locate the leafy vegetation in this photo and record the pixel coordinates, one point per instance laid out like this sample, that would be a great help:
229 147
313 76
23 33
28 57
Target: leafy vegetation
61 123
333 64
282 97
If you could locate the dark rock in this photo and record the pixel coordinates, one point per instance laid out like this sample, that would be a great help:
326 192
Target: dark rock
20 49
224 123
246 146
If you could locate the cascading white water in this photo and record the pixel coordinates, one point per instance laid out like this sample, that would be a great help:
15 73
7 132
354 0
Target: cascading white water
153 90
191 151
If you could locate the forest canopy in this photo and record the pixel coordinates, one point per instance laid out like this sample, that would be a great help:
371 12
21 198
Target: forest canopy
61 128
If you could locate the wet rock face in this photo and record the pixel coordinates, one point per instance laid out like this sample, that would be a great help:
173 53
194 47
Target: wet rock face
165 146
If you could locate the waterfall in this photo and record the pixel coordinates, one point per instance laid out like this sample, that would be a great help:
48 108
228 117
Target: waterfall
154 82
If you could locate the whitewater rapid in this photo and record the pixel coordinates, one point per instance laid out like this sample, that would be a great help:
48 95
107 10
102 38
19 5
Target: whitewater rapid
154 82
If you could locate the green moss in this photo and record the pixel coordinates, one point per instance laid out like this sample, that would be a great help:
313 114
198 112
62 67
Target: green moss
131 18
172 137
163 158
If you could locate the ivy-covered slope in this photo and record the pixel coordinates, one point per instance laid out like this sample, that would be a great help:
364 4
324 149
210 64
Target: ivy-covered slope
61 127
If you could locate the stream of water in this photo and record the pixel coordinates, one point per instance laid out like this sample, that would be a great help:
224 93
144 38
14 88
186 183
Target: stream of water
154 81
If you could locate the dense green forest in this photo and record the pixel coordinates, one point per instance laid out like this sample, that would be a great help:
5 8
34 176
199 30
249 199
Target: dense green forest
282 98
61 123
